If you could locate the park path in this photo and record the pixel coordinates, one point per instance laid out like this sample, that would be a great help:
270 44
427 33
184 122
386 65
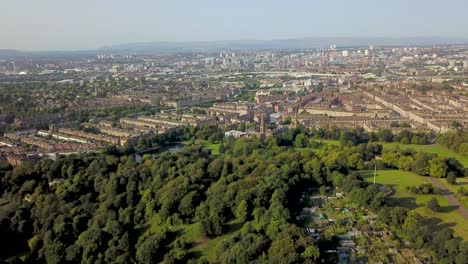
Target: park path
450 197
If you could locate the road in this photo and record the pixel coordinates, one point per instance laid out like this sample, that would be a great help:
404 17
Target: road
453 201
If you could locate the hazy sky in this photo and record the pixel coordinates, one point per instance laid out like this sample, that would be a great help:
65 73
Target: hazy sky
88 24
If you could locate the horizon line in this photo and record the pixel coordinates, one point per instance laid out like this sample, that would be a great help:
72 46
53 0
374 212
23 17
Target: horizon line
103 47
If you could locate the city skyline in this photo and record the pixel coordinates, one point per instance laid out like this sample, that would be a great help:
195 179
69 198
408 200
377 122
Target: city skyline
54 25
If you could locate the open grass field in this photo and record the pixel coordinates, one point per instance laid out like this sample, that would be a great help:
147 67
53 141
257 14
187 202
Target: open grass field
207 246
329 141
213 147
201 245
435 149
400 179
454 188
323 141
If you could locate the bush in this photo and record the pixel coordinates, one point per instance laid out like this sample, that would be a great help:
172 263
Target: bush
425 188
462 191
452 177
433 204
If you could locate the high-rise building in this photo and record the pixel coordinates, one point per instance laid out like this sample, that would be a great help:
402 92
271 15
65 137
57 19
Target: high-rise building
345 53
465 65
366 52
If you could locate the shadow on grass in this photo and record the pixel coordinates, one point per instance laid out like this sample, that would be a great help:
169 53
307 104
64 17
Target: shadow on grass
408 202
194 255
228 229
366 174
448 209
436 224
392 187
232 227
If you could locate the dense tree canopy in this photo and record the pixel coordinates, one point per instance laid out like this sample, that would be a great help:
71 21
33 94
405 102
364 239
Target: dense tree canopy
107 208
455 140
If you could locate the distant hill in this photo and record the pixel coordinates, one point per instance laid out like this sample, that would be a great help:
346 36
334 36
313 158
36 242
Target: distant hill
8 53
240 45
298 43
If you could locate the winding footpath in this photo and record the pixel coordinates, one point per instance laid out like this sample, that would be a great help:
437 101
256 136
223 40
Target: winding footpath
450 197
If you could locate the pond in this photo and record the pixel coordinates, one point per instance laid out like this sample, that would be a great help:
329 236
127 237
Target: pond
172 148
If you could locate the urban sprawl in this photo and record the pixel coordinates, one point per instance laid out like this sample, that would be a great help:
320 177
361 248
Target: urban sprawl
84 103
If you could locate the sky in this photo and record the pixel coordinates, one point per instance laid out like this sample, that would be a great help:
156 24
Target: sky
90 24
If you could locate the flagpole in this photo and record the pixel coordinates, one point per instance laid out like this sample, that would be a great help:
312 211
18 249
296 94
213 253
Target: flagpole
375 172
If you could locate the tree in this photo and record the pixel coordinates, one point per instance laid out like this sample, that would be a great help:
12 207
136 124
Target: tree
385 135
421 163
323 191
437 167
240 127
221 148
141 144
456 125
188 204
215 168
311 253
433 204
300 141
287 121
242 211
149 250
462 191
212 139
114 210
452 178
464 149
405 140
282 251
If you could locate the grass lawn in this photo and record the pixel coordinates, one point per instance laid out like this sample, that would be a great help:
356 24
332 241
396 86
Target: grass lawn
400 179
323 141
207 145
201 245
213 147
329 141
435 149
